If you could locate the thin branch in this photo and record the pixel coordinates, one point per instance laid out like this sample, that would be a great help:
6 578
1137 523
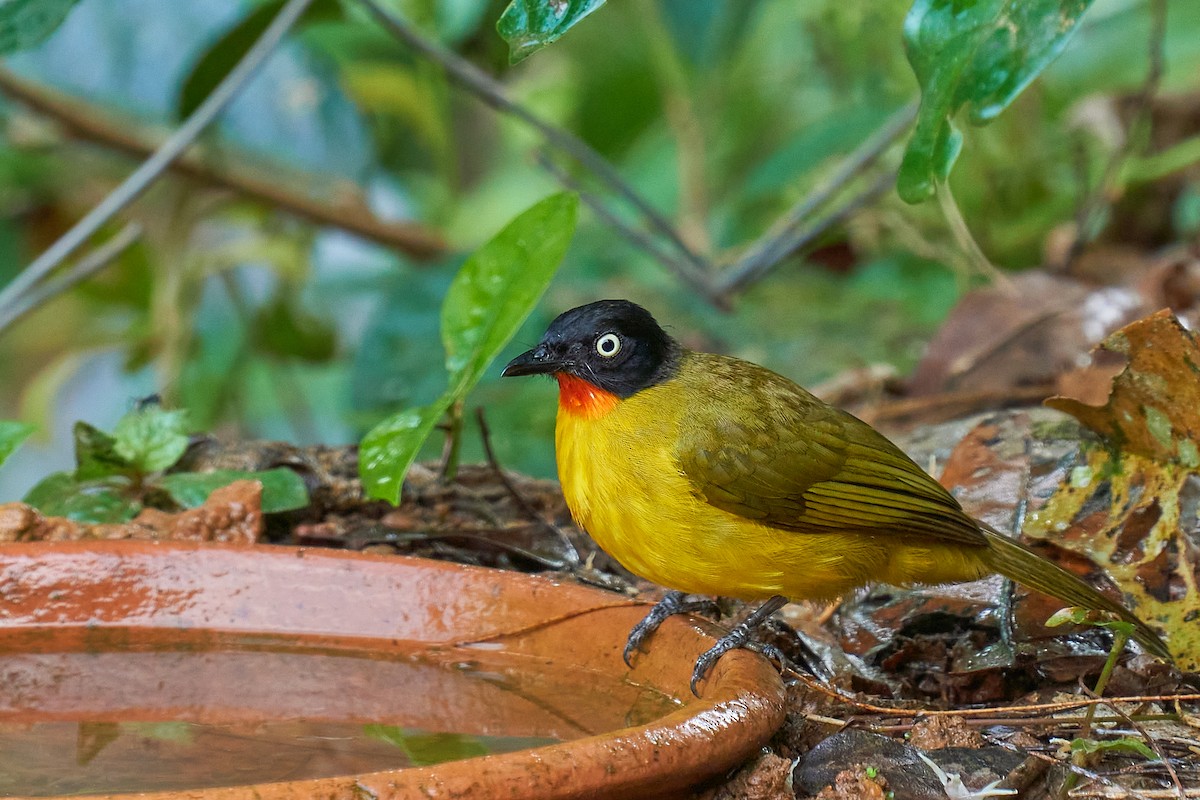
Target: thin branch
347 209
790 241
572 557
89 265
1022 709
149 171
637 237
773 246
493 93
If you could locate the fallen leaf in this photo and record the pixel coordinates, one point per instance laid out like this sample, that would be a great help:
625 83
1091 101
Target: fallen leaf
1154 407
1133 515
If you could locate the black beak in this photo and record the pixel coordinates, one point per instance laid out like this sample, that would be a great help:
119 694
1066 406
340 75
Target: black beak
537 361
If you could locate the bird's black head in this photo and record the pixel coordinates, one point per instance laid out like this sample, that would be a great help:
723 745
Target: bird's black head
614 345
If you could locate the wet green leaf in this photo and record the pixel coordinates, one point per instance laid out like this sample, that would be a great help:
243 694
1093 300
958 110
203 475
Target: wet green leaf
98 500
530 25
493 293
498 286
283 489
975 53
12 434
151 439
25 23
389 449
226 52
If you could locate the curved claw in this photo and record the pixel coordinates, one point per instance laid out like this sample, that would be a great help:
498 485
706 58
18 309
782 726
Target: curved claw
738 637
673 603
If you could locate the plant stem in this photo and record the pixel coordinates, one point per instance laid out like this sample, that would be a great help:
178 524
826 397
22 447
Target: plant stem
454 429
1120 639
149 171
962 235
1080 758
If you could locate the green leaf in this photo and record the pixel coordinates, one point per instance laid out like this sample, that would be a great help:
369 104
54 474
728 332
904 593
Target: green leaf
226 52
492 294
1124 744
96 454
975 53
389 449
12 434
530 25
283 489
25 23
99 500
151 439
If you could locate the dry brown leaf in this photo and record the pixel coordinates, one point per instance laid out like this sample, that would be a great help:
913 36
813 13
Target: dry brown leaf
1154 407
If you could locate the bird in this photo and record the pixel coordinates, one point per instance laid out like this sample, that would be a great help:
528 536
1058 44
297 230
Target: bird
714 476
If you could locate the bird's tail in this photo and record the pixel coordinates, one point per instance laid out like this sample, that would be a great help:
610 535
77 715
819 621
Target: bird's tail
1014 560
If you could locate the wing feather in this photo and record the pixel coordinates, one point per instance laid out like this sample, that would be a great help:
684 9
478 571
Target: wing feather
759 446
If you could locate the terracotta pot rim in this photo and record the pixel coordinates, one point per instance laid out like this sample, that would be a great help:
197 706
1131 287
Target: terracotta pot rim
741 707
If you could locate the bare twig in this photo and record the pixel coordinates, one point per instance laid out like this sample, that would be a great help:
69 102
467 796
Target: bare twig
779 241
346 209
490 91
798 238
87 266
639 238
1014 710
149 171
573 559
1150 741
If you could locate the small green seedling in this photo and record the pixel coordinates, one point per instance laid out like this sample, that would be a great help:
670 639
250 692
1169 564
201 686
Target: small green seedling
117 475
1125 744
1084 745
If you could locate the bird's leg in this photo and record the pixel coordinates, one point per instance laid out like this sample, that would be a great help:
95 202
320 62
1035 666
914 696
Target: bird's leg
738 637
674 603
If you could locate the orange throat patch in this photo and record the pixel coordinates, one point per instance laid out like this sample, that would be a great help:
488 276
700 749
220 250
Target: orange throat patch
582 399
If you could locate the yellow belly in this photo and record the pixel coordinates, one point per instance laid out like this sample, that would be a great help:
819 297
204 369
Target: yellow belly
623 485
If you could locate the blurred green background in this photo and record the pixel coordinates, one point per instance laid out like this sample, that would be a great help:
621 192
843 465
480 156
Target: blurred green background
721 114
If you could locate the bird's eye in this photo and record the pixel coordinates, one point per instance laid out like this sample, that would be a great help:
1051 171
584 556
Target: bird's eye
608 345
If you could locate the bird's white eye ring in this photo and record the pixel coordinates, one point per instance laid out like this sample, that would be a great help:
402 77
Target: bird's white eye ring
608 345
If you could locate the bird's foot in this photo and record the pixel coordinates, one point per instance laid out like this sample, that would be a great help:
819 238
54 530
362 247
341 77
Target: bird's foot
674 603
740 637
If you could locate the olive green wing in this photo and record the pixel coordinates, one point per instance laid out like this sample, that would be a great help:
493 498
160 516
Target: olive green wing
761 447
